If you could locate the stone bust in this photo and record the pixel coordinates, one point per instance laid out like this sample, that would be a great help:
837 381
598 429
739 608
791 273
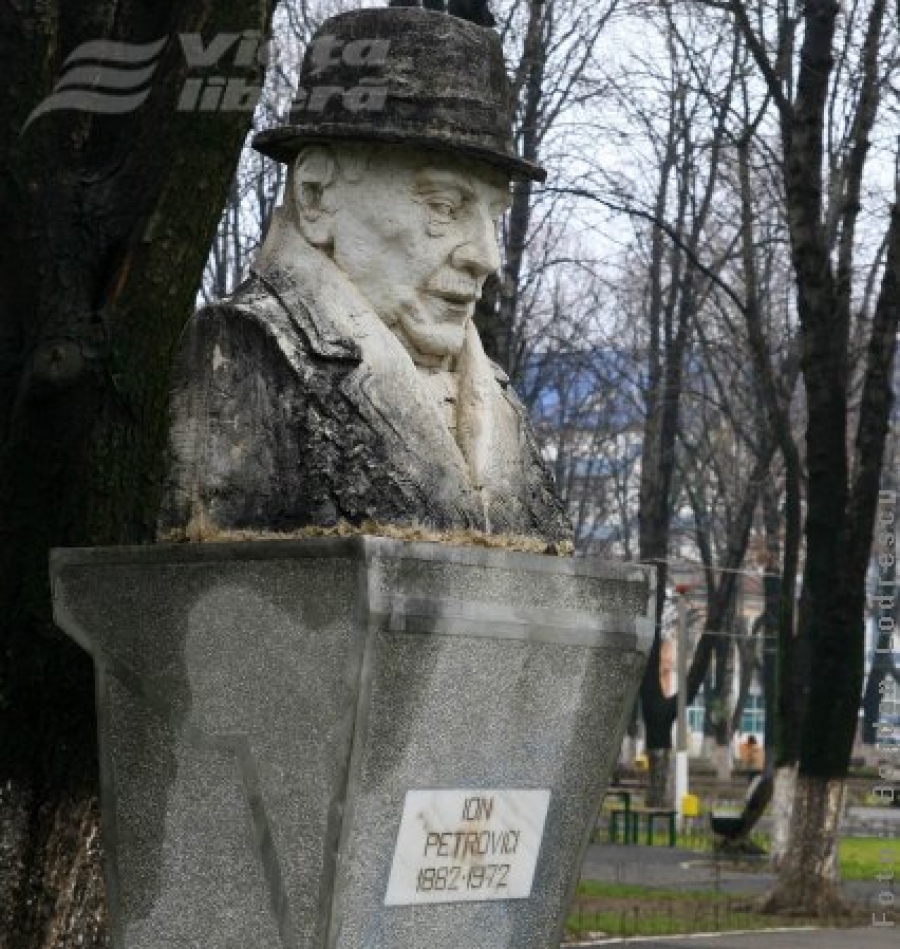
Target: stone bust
345 379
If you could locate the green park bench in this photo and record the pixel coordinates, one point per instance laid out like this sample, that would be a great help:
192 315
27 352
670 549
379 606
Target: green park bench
650 816
631 818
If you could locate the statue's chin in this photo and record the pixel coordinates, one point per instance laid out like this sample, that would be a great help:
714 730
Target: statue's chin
435 340
431 330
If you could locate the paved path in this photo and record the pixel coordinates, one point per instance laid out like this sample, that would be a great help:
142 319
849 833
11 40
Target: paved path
869 937
671 868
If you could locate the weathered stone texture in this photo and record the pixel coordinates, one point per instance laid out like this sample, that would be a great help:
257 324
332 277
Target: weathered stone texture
279 424
265 707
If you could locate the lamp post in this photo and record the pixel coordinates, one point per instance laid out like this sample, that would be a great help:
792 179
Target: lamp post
681 733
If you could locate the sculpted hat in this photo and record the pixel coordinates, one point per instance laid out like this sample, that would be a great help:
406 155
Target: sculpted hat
406 76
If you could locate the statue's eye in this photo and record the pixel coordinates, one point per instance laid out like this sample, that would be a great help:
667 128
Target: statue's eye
443 208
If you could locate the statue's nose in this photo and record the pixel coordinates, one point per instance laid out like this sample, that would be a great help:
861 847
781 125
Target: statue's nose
479 252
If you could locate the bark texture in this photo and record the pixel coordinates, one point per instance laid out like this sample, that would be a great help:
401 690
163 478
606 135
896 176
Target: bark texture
808 874
105 227
782 805
658 792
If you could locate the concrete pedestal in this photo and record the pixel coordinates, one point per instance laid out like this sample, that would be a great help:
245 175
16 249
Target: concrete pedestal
289 730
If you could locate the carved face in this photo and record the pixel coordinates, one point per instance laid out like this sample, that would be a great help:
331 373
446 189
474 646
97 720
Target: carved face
417 235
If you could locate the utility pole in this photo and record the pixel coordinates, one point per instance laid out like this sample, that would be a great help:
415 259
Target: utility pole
681 733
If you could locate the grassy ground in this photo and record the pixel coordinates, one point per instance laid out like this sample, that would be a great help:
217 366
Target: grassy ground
625 910
864 858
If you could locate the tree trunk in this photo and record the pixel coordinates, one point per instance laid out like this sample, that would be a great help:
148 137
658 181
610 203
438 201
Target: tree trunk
658 792
654 508
839 528
106 224
785 672
487 321
808 874
659 713
780 811
841 495
718 717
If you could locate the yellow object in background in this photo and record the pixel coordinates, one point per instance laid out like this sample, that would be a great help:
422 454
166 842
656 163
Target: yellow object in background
690 805
641 763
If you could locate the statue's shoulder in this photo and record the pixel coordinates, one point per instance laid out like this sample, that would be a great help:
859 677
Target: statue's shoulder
250 302
248 309
245 331
253 293
259 305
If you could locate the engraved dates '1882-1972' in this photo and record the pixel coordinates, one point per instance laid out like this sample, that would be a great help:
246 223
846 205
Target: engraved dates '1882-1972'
459 845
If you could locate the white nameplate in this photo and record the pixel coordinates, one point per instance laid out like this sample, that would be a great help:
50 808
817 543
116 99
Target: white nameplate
467 845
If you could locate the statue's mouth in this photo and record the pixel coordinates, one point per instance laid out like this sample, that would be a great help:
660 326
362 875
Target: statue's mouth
457 290
454 307
460 299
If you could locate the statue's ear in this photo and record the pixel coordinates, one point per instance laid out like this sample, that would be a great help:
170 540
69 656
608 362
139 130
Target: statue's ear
312 176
